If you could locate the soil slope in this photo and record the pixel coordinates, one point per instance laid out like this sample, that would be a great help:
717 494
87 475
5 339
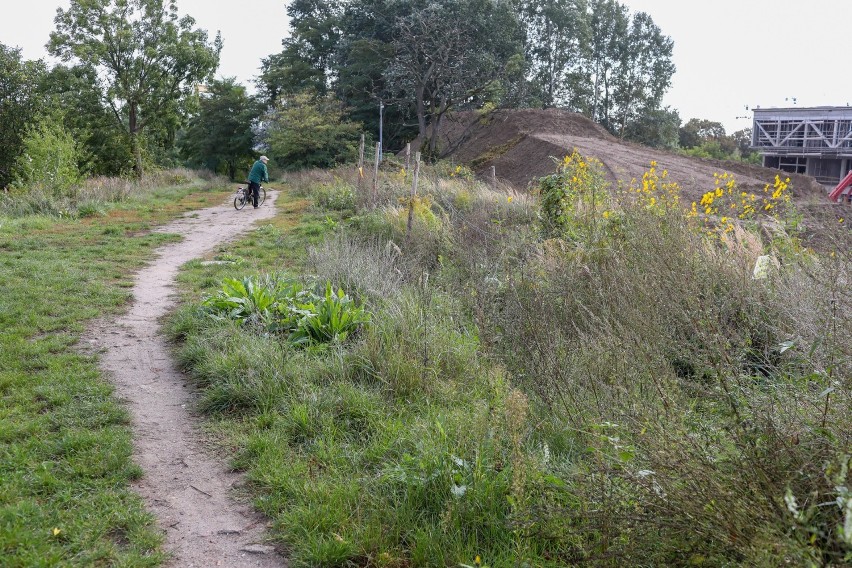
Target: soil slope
522 144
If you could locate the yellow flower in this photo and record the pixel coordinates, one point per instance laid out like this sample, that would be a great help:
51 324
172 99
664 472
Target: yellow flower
606 214
509 199
56 531
477 561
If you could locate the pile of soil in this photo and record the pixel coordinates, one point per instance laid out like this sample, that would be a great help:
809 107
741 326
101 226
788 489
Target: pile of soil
524 144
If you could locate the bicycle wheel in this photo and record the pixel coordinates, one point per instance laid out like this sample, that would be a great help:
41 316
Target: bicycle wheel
261 196
240 201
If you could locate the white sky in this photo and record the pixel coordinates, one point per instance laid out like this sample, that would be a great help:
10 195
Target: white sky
728 53
733 53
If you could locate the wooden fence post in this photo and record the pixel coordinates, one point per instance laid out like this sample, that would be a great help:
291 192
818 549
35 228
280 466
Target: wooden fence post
494 178
413 195
407 156
376 173
361 163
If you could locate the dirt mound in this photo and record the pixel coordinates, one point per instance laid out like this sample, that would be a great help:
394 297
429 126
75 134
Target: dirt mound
523 145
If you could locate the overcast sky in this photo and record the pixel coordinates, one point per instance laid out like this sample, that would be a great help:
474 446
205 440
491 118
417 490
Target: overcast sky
729 53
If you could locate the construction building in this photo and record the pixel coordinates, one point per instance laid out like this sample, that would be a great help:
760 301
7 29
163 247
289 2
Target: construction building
814 141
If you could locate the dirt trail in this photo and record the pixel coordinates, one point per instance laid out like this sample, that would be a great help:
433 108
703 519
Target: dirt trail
184 485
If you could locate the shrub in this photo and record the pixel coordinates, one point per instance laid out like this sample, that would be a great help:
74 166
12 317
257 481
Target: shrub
573 199
49 158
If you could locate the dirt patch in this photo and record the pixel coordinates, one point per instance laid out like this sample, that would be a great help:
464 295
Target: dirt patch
188 488
523 144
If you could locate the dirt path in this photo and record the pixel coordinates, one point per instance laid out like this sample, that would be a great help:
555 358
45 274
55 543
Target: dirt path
187 488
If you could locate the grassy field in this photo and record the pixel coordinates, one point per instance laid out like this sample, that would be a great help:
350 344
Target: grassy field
581 378
64 440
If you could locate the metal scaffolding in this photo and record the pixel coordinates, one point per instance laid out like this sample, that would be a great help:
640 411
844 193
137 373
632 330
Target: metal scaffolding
815 141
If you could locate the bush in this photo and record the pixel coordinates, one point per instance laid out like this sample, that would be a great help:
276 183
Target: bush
49 159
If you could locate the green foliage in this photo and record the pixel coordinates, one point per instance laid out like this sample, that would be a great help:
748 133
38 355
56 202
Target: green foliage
102 145
149 57
20 101
304 62
220 136
49 158
655 128
333 317
337 196
306 131
558 39
629 67
573 200
697 131
424 60
284 307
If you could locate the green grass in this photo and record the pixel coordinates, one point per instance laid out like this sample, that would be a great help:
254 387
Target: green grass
392 450
626 396
65 443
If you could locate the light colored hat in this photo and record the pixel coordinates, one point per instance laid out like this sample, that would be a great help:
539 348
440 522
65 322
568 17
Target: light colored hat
264 159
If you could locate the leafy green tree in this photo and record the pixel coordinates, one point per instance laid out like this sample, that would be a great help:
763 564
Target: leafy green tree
742 140
630 65
307 130
147 56
20 100
655 128
448 56
644 73
697 131
220 136
48 159
102 144
609 23
557 40
305 61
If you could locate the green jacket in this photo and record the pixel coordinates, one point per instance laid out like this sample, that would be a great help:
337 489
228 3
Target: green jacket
258 173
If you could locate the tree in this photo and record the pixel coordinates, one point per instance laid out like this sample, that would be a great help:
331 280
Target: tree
644 73
220 136
557 33
307 130
20 100
102 144
305 61
742 140
147 57
698 131
608 21
448 55
655 128
630 65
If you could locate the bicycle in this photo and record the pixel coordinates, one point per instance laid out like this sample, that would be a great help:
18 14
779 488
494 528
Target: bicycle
243 196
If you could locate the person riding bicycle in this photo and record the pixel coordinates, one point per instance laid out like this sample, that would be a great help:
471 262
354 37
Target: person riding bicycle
257 175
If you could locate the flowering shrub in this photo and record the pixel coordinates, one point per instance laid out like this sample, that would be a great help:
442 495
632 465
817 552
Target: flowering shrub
573 197
727 204
656 193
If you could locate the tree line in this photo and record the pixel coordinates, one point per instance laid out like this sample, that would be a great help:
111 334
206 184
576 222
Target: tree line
135 87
